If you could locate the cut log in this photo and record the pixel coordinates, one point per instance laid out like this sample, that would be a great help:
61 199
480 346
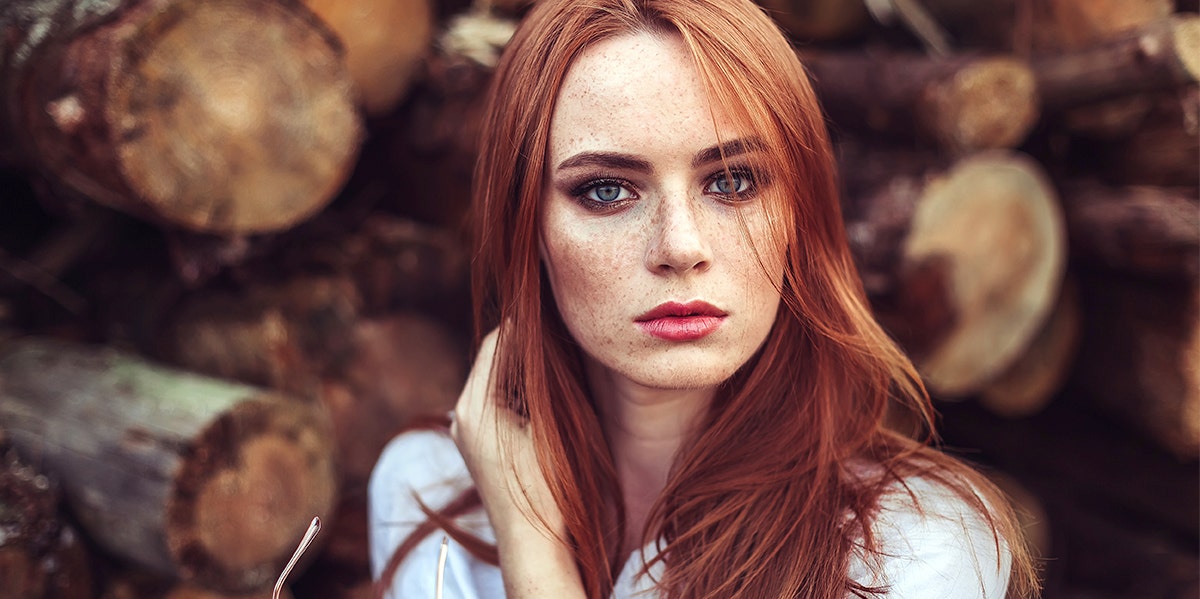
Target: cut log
1030 28
961 104
963 265
1075 24
382 63
197 478
991 25
1140 358
41 555
395 263
191 591
1123 511
818 20
282 336
1161 149
1032 381
401 366
225 116
434 149
1163 55
1147 231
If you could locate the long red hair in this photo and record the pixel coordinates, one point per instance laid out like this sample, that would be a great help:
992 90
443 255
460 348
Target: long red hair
760 503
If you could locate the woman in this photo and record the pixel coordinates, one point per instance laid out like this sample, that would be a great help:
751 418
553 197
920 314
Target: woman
686 392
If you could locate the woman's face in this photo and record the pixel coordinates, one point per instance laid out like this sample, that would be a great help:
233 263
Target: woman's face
647 247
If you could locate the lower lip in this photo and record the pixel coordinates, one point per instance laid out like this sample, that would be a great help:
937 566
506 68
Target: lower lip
684 328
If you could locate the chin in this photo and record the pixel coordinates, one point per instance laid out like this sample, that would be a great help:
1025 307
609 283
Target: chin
681 372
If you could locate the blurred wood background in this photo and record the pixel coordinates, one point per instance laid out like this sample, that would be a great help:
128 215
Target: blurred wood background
232 265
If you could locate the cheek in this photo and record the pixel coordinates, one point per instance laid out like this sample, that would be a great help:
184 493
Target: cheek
586 275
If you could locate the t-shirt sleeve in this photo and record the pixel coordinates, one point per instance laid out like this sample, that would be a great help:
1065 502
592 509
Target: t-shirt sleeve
423 464
945 549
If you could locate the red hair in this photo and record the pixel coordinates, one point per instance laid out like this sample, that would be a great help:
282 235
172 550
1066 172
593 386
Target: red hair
760 503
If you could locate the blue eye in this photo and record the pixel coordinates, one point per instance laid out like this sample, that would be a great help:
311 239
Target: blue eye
733 182
606 192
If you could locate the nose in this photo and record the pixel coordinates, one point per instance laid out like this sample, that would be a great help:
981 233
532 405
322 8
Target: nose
678 242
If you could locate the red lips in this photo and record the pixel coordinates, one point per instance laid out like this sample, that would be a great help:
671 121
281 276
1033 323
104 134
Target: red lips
673 321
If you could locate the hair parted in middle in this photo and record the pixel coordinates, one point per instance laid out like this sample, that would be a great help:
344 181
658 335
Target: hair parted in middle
760 503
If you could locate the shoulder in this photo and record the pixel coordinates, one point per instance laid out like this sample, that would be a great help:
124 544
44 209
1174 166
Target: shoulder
421 464
425 465
931 542
424 462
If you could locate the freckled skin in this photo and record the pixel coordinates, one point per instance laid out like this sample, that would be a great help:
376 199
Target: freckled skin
674 240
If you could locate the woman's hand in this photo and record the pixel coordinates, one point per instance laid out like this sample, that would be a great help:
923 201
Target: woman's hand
498 449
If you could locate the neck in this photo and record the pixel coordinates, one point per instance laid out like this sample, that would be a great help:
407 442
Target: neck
645 429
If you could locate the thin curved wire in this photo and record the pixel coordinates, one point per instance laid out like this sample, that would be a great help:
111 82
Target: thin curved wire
313 528
441 568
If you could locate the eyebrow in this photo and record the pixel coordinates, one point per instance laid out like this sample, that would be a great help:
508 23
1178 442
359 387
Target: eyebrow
729 149
617 160
614 160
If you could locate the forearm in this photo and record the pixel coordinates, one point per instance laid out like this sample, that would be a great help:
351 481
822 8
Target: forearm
534 565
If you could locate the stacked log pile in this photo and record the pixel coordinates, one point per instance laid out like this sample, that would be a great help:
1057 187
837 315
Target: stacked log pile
232 266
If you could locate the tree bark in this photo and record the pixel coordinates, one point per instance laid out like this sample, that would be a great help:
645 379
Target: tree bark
1163 148
40 554
962 264
1160 56
220 116
960 104
1075 24
1140 357
1147 231
818 20
208 481
191 591
400 366
284 336
1123 511
381 63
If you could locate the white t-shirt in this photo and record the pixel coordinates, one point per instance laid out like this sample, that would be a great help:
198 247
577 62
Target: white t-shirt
944 551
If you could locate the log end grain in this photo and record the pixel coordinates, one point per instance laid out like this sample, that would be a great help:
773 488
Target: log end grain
245 495
382 61
1187 44
991 103
1033 380
995 222
233 116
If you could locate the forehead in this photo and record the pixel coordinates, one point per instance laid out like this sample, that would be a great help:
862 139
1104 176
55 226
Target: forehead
636 92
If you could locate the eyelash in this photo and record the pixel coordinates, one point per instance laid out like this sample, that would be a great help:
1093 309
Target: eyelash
580 193
753 180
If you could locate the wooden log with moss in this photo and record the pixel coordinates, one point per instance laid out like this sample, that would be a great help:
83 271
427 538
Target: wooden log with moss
197 478
230 116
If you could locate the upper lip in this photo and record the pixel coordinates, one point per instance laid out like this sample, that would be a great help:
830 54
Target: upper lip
677 310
